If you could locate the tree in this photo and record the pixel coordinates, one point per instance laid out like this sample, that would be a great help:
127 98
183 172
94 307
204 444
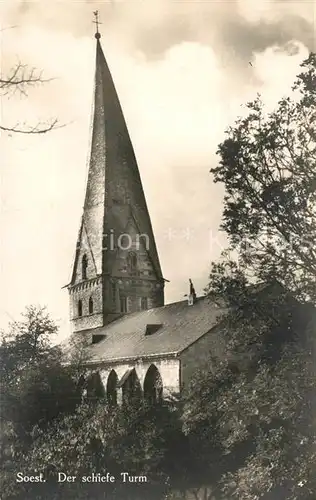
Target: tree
27 341
250 417
96 438
36 387
49 426
268 166
39 387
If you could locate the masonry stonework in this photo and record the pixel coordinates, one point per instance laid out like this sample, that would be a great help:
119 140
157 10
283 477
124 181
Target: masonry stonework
198 355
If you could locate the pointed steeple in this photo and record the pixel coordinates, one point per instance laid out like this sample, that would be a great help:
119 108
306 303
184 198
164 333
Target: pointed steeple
116 268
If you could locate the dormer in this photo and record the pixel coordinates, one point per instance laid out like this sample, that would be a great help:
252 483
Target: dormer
152 328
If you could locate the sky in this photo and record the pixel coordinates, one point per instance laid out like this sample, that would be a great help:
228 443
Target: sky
182 72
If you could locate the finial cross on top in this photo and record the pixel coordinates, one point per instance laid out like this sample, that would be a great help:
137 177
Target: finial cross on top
97 22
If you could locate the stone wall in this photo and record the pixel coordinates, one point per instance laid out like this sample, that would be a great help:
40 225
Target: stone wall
198 354
83 291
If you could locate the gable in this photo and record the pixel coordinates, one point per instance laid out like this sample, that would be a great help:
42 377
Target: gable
198 355
132 247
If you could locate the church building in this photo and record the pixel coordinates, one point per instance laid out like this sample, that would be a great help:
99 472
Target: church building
138 345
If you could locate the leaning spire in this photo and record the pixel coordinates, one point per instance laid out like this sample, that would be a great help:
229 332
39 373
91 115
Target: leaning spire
116 268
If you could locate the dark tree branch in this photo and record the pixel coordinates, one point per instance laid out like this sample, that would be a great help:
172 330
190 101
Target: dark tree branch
19 80
37 129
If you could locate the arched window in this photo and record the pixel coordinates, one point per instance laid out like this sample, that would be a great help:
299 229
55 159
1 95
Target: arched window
132 261
124 241
79 307
132 391
90 305
111 389
81 384
153 386
113 287
95 389
143 303
82 387
84 265
123 303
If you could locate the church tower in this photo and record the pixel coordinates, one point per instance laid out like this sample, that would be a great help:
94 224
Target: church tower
116 268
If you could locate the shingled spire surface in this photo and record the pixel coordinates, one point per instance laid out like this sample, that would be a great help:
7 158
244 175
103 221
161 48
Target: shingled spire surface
116 268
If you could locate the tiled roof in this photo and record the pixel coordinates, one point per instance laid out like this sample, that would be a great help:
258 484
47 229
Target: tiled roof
181 326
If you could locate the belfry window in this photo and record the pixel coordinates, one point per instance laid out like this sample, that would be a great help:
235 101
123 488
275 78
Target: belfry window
84 265
90 305
123 304
113 287
132 261
143 303
124 241
79 307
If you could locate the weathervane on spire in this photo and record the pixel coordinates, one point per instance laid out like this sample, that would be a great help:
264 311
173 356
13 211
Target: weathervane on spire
97 22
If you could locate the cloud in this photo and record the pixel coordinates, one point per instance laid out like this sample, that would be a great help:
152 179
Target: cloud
236 28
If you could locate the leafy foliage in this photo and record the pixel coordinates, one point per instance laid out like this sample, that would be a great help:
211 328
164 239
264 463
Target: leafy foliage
49 426
27 341
36 387
260 401
268 166
251 418
98 439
